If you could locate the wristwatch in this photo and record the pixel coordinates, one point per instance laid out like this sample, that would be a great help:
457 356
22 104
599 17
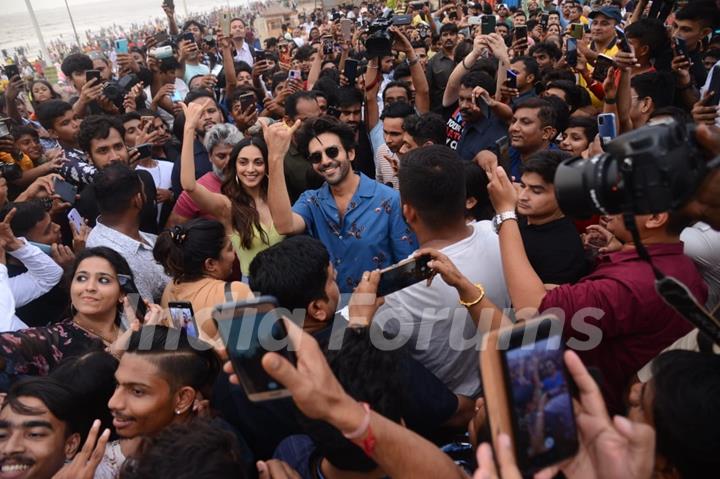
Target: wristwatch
500 218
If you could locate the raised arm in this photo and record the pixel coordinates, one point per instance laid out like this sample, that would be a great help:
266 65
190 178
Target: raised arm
316 66
172 24
228 64
373 80
215 204
419 80
278 137
397 450
452 90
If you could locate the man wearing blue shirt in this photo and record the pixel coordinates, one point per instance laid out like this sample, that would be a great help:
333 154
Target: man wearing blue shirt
359 220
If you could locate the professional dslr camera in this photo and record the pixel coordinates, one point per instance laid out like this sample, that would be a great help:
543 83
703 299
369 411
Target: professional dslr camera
652 169
379 40
115 91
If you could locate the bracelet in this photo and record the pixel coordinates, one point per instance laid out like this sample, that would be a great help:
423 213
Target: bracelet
463 64
480 298
413 62
610 101
364 426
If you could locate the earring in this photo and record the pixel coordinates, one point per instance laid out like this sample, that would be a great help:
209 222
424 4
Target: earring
177 412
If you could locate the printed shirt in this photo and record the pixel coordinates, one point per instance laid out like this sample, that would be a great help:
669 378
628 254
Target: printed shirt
372 234
454 129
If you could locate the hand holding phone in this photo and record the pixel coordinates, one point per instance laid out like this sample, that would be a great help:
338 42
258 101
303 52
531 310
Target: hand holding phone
404 274
183 317
65 190
249 329
136 301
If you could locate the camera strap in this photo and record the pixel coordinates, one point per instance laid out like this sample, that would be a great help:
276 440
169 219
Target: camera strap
672 291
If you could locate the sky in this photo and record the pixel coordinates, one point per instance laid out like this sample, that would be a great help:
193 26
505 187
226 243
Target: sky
19 5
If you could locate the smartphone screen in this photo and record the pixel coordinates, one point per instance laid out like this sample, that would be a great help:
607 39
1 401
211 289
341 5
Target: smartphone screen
249 329
681 47
65 190
571 54
12 70
511 80
602 65
538 390
246 101
182 316
521 32
346 28
403 274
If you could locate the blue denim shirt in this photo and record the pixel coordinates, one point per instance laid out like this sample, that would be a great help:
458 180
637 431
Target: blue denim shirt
371 235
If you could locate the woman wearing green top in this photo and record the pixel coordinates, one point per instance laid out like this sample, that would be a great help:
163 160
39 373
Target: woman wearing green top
242 204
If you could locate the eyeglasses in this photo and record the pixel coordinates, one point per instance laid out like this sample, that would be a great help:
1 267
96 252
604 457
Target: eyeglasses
331 151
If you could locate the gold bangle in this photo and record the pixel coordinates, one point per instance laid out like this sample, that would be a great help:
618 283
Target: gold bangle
481 290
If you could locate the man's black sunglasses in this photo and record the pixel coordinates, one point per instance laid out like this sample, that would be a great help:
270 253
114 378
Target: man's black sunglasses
331 151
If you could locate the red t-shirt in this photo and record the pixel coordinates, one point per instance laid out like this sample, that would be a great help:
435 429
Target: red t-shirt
186 207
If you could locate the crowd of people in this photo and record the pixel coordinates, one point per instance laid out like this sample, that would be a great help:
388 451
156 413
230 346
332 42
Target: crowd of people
195 163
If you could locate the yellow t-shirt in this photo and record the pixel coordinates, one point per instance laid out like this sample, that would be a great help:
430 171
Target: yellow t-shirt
245 256
25 162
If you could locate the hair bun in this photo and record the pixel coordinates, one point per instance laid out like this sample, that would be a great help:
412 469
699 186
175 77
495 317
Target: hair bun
178 235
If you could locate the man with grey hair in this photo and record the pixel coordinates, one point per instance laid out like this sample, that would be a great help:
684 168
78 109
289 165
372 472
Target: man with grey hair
218 142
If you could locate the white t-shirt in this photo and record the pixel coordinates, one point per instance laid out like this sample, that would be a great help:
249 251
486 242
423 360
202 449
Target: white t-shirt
440 333
706 87
161 177
702 244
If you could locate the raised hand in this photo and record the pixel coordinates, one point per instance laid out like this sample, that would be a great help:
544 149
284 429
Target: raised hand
278 137
364 301
193 112
86 461
7 237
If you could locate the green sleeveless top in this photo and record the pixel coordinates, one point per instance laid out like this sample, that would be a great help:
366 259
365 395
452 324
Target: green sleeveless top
245 256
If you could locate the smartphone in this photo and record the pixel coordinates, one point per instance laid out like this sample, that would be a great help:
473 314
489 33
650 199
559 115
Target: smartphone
136 301
90 74
351 70
474 20
183 316
11 71
246 101
681 47
400 20
521 32
577 30
76 219
121 45
65 190
346 26
169 3
216 70
327 46
483 105
622 42
295 75
225 23
249 329
260 55
403 274
714 86
188 36
602 65
511 81
487 24
571 54
528 392
607 128
544 19
4 130
176 97
145 150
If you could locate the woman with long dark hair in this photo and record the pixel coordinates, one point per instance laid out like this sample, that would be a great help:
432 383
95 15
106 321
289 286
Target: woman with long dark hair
242 206
93 324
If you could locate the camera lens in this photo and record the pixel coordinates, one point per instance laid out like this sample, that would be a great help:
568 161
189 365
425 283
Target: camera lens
588 186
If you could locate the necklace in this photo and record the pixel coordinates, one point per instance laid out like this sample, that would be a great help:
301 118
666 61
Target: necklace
94 332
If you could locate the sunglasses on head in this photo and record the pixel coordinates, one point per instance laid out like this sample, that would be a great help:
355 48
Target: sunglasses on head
331 151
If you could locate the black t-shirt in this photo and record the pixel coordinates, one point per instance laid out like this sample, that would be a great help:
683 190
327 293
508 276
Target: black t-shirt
554 250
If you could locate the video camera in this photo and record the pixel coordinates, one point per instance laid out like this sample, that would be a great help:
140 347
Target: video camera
652 169
379 40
